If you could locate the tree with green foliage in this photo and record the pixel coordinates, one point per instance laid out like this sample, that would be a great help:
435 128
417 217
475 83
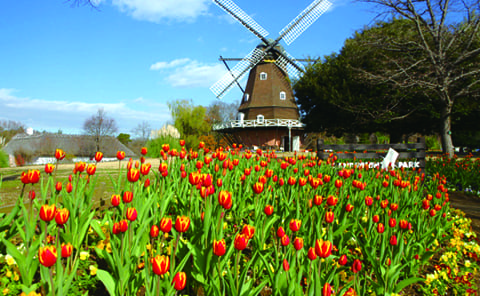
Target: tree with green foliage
124 138
190 121
385 76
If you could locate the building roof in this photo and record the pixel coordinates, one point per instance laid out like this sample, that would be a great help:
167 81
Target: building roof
77 145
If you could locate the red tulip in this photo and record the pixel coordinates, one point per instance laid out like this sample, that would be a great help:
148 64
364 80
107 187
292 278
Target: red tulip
317 199
69 187
145 168
127 196
323 248
380 228
298 243
240 242
144 151
295 225
343 260
47 255
115 200
47 212
368 200
116 228
58 186
432 213
179 281
67 250
285 264
258 187
312 255
123 225
91 168
219 247
61 216
59 154
31 194
268 210
49 168
181 142
133 175
332 200
338 183
329 216
356 266
349 208
98 156
327 290
393 240
160 264
120 155
285 240
154 231
248 231
182 223
225 199
280 232
131 214
392 222
376 218
166 224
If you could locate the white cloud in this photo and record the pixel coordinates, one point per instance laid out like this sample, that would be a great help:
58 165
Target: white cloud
196 74
158 10
171 64
51 114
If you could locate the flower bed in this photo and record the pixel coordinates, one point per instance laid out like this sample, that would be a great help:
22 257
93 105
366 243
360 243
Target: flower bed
237 223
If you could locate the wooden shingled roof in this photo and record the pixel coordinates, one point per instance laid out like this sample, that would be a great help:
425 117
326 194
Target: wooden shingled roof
77 145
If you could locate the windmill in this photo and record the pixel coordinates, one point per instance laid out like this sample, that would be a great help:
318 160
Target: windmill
268 107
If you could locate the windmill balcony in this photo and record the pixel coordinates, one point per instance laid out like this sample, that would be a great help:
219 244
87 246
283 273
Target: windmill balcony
290 123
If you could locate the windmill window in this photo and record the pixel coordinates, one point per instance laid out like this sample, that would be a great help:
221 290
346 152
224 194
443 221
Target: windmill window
245 97
260 118
283 96
263 76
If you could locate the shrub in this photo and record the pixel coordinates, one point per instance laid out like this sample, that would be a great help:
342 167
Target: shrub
4 161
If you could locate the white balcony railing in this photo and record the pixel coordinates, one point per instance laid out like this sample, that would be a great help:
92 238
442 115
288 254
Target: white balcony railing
290 123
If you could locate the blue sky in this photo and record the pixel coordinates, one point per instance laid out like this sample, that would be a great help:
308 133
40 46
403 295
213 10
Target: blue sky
59 63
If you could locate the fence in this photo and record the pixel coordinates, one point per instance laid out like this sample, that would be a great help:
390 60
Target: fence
407 152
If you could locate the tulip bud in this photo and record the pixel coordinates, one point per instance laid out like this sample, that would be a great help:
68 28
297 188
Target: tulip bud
312 255
240 242
182 223
160 264
219 247
154 231
61 216
286 266
67 250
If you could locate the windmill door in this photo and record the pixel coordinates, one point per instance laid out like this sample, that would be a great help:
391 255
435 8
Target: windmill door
296 143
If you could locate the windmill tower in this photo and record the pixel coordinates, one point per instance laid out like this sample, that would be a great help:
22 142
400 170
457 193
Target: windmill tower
268 115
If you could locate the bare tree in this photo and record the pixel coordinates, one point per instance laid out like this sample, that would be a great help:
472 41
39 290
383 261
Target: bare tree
142 131
99 126
442 61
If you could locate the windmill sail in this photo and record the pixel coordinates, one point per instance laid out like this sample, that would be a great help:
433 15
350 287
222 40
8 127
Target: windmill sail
304 20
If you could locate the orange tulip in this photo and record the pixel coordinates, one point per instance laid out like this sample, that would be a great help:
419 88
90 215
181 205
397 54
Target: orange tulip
258 187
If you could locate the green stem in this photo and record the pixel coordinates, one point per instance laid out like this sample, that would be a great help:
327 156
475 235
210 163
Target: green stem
237 262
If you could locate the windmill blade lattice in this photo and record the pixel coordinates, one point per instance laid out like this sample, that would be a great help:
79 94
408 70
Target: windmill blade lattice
307 17
228 80
240 15
288 65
